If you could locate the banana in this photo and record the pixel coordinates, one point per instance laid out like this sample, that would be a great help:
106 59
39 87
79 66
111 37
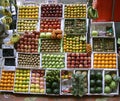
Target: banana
7 27
15 38
92 13
8 19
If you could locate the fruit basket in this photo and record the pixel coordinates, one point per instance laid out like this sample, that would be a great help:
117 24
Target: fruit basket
27 25
50 24
52 82
75 11
111 85
49 45
78 60
28 12
74 43
22 81
103 44
27 60
28 42
52 10
105 60
103 29
53 61
75 26
7 81
37 84
96 82
66 82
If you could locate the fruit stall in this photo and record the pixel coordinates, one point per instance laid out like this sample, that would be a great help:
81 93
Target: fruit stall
53 56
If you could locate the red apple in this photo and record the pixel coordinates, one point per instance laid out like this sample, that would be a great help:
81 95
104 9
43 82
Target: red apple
68 58
80 66
72 62
72 66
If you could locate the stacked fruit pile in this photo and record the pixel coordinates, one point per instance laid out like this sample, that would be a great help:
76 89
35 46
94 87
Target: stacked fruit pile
111 84
74 43
26 25
75 26
47 25
28 42
78 60
96 80
30 12
7 80
22 79
75 11
53 61
37 81
50 45
105 60
104 44
53 82
28 60
51 10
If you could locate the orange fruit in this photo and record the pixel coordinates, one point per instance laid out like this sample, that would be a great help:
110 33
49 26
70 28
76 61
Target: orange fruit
102 66
98 66
102 58
99 62
95 55
110 66
106 66
106 55
114 55
114 66
95 62
114 62
114 59
103 55
102 62
95 58
95 66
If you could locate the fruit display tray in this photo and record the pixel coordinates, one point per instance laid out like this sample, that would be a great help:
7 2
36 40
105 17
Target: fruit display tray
27 25
75 26
27 60
53 60
74 43
52 10
33 81
7 81
75 11
28 12
104 44
104 61
49 45
103 29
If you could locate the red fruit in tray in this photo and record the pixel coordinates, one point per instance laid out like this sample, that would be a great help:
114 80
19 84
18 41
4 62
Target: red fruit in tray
77 62
81 58
76 66
72 58
72 62
68 62
77 58
68 58
77 54
68 66
73 54
85 62
68 54
72 66
80 66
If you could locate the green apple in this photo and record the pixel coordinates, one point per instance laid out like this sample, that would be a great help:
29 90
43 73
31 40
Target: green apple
42 90
17 74
16 85
20 82
15 89
19 89
94 33
26 90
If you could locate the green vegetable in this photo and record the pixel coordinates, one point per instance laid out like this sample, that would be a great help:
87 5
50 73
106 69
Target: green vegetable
92 90
108 78
99 75
92 82
55 85
98 90
92 74
48 90
56 91
107 89
113 85
99 82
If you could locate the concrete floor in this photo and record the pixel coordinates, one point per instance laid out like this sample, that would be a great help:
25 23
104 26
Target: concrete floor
11 97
